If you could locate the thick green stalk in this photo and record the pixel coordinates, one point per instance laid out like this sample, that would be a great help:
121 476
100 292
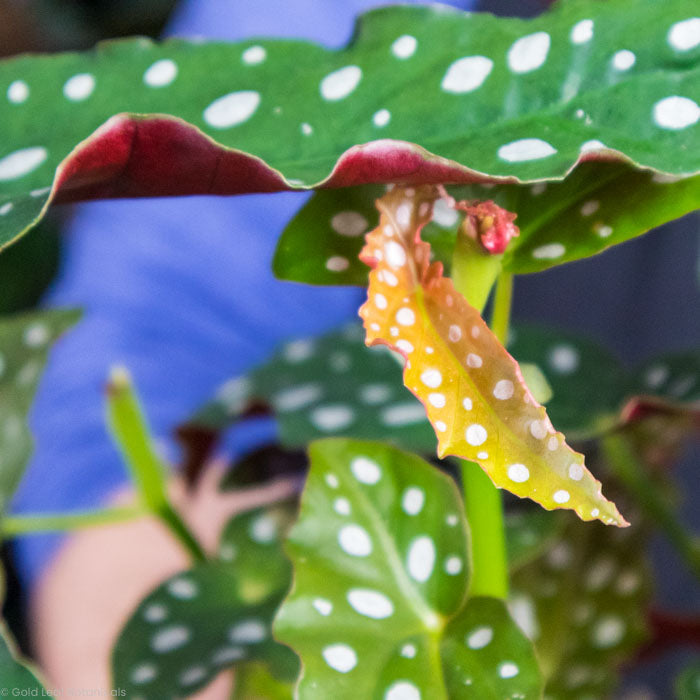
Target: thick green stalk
500 317
130 432
15 525
482 501
474 271
484 509
623 461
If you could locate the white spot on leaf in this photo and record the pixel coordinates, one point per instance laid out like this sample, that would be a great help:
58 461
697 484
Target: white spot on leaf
339 84
370 603
676 113
161 73
355 541
685 35
365 470
467 74
404 47
340 657
421 559
529 52
22 162
526 149
79 87
232 109
582 32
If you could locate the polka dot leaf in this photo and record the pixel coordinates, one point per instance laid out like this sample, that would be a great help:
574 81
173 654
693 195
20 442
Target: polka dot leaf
212 617
379 607
584 604
318 387
472 389
597 206
25 341
421 94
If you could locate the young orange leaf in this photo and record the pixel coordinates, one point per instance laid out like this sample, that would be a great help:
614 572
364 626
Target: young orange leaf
472 389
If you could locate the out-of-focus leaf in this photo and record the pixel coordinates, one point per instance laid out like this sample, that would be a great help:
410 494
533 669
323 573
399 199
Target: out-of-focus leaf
589 387
25 341
212 617
583 604
471 388
255 682
322 243
687 684
675 378
587 381
265 464
422 94
598 205
14 675
378 609
529 533
28 268
316 387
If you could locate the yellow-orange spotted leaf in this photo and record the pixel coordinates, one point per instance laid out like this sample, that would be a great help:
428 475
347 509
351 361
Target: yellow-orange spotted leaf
472 389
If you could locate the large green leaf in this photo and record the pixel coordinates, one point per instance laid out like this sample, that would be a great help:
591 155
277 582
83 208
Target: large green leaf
25 341
584 604
212 617
597 206
379 608
421 94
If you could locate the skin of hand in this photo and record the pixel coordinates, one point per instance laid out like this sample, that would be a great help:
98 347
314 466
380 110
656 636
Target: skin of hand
100 575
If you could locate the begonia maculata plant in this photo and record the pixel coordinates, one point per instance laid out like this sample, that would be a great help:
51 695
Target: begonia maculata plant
450 152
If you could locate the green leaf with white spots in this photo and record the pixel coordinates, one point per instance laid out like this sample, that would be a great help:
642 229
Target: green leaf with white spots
378 608
584 605
332 385
422 94
212 617
25 341
252 543
322 243
597 206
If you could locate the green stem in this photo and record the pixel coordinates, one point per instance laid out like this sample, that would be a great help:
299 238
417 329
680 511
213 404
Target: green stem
500 318
130 432
473 270
15 525
635 476
484 509
482 500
